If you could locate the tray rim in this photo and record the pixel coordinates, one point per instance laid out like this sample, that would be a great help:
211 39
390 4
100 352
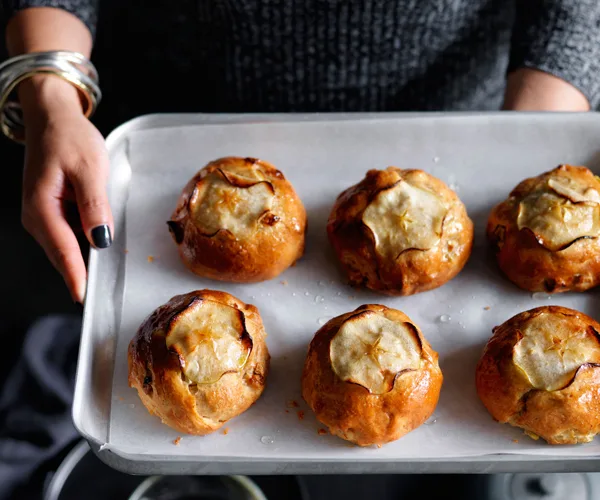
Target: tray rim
161 464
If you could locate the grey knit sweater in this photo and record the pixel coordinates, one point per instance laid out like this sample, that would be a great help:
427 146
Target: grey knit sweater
336 55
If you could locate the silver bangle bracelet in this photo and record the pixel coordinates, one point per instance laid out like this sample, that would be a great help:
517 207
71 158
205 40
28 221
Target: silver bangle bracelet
70 66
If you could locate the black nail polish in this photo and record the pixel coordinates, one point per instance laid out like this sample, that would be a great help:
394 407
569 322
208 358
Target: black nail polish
101 236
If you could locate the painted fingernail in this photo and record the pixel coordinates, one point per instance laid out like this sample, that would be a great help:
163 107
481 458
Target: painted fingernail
101 236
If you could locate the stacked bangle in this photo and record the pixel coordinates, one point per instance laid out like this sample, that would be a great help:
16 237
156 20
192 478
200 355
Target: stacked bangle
70 66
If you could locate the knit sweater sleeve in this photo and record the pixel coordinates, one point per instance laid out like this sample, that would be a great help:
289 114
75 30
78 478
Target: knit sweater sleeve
560 37
85 10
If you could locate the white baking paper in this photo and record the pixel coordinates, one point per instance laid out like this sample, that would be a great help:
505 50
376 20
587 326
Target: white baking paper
481 157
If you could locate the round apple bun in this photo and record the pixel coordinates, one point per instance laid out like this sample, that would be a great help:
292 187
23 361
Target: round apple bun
540 371
370 376
400 232
199 360
239 220
545 234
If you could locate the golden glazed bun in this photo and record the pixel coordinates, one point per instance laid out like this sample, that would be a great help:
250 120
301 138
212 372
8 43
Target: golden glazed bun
400 232
540 372
546 233
371 376
239 220
199 360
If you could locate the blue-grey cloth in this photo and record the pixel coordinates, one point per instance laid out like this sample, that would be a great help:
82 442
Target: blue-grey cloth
35 402
334 55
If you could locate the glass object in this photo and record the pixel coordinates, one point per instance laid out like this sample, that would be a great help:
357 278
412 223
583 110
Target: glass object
198 488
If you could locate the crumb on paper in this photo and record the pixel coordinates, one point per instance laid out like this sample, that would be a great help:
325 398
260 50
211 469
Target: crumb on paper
121 398
225 431
515 441
378 446
284 282
292 404
150 258
177 441
126 251
300 415
321 432
351 297
487 308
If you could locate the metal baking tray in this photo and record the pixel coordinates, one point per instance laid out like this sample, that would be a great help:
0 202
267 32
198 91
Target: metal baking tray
482 156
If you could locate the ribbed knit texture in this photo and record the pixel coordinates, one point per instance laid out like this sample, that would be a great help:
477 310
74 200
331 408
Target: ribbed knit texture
340 55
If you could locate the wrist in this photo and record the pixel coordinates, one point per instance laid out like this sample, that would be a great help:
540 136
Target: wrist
535 90
43 95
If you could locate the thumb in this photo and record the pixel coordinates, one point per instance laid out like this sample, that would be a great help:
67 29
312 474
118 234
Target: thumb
89 183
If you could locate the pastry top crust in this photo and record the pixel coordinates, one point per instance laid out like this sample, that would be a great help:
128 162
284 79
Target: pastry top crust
400 231
541 371
199 360
559 207
239 219
371 376
546 233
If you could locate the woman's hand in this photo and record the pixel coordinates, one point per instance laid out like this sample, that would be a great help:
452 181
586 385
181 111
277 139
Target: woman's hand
65 163
533 90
